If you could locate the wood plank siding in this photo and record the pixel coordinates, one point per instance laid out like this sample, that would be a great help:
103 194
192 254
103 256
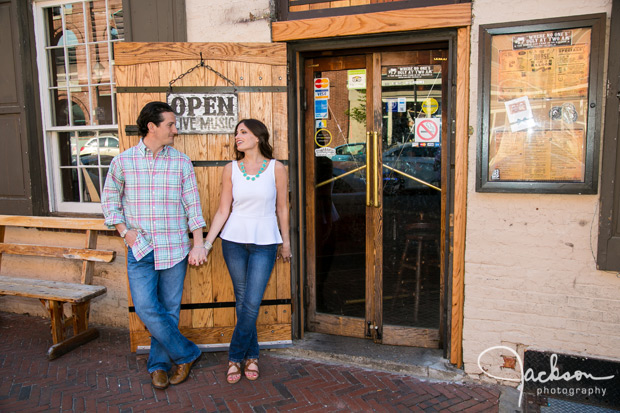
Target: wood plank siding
208 311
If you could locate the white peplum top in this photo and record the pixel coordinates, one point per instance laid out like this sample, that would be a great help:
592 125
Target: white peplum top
253 218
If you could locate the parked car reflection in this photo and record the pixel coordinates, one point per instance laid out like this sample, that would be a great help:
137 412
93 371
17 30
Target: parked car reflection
350 152
105 146
96 154
422 162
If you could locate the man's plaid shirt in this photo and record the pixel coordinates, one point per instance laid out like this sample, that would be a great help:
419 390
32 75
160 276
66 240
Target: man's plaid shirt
157 196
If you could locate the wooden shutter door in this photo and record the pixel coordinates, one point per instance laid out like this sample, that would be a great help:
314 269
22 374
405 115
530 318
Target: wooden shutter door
143 72
15 185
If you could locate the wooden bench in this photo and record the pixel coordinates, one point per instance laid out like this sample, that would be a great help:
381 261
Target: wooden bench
54 294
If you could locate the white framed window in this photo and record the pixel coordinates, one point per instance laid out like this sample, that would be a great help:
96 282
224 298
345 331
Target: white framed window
74 43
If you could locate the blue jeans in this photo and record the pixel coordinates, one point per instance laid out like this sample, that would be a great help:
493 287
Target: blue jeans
250 267
156 297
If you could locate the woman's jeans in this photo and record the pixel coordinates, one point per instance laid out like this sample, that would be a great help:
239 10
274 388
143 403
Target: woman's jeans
156 296
250 267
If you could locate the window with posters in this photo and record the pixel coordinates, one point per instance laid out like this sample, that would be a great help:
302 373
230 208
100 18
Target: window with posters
540 105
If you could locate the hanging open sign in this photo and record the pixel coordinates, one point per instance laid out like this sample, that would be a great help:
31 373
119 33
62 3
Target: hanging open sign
200 113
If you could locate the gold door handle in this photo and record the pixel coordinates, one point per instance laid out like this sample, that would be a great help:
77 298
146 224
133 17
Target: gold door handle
368 169
376 169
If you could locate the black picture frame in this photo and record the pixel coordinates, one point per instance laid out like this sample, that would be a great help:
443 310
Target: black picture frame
591 109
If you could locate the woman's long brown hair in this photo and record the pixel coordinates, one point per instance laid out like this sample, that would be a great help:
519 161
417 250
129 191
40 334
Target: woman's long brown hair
259 130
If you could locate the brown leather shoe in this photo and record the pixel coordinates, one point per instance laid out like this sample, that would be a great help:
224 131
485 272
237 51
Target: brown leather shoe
159 379
182 372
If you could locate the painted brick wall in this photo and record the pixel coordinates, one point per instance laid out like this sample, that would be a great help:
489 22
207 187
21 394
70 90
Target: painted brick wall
530 274
229 20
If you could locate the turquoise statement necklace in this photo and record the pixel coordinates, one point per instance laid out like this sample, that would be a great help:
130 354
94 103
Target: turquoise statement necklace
250 177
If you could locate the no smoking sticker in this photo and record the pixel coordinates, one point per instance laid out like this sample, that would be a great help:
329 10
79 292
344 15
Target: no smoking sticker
427 130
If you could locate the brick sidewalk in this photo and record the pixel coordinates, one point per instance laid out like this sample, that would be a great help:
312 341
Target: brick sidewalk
104 376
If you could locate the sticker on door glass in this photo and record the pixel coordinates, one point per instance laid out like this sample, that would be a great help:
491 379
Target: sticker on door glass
356 79
430 106
391 105
320 109
323 137
427 130
326 152
321 88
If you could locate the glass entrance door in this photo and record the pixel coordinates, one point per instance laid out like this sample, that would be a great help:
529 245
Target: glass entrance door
374 166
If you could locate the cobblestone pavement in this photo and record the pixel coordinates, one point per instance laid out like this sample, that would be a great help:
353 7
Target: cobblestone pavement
104 376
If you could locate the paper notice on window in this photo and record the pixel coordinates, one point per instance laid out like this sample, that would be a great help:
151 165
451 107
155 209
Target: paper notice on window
552 155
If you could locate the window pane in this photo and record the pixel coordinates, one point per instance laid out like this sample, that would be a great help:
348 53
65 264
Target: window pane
104 174
60 112
115 8
70 185
74 21
91 190
89 148
99 150
99 64
100 20
81 106
109 151
78 67
54 26
62 37
67 148
56 61
102 102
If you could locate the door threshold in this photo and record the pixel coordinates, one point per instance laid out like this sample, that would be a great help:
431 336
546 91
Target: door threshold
414 361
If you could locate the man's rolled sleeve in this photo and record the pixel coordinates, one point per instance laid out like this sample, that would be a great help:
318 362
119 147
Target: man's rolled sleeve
111 202
191 198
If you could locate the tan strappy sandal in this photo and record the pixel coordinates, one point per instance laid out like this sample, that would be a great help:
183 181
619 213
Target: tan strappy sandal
236 372
246 370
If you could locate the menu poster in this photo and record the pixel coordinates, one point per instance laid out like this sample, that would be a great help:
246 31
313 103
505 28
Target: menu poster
540 89
548 72
539 155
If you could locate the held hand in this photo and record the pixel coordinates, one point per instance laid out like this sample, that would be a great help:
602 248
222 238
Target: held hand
197 256
284 252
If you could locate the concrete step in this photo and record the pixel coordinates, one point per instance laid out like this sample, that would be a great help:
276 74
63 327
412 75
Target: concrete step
418 362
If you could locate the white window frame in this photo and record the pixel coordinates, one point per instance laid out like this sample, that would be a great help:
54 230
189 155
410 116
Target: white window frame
50 132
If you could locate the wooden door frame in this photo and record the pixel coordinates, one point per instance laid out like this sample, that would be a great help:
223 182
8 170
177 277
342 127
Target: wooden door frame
459 46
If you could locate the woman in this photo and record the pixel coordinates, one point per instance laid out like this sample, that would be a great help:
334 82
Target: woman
256 186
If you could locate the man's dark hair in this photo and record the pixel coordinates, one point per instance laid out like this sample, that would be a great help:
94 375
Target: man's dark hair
151 112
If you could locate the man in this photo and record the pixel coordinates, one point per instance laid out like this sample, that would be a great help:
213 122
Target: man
151 197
